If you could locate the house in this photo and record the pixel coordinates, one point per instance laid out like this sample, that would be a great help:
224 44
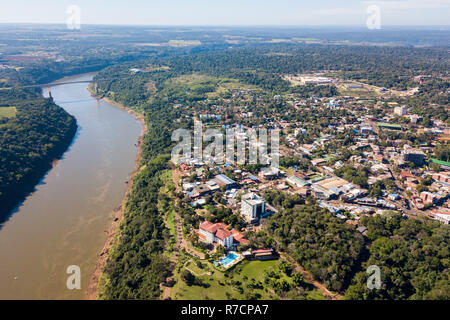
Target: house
427 197
185 167
260 254
252 206
200 191
304 191
223 181
270 173
215 233
362 230
393 196
297 181
442 178
318 162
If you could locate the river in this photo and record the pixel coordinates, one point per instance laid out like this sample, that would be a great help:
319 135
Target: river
64 221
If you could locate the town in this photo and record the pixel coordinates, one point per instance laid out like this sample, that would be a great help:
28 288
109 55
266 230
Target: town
364 153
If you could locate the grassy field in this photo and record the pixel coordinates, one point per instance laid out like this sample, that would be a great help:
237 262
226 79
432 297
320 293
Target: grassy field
246 280
167 207
217 86
220 287
226 85
365 92
8 112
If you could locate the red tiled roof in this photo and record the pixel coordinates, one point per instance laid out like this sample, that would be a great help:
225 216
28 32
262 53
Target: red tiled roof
405 174
219 229
264 250
441 212
207 226
223 234
239 237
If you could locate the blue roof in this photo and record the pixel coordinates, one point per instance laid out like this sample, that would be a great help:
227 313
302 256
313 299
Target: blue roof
253 177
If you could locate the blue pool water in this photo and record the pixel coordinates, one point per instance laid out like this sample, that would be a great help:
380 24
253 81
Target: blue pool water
228 259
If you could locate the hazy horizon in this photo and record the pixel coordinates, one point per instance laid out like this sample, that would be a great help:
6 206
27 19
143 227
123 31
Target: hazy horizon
200 13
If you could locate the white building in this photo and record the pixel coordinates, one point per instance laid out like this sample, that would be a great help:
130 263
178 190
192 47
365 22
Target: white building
252 206
215 233
444 218
401 111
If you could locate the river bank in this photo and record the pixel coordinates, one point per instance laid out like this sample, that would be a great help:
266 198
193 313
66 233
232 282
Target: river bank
13 192
112 233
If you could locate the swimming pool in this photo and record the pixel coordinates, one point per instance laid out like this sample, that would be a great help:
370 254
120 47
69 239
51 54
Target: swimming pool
228 259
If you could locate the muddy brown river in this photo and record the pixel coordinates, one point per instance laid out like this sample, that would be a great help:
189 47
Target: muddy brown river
64 221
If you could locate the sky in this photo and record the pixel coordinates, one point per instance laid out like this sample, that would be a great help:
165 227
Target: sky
229 12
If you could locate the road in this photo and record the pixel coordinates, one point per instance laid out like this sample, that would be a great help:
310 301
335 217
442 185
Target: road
307 276
181 243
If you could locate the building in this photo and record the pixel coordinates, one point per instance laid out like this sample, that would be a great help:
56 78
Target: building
366 130
318 162
414 118
442 178
252 206
297 181
401 111
223 181
314 80
321 193
270 173
415 156
260 254
200 191
442 217
333 103
428 197
354 86
135 70
389 126
215 233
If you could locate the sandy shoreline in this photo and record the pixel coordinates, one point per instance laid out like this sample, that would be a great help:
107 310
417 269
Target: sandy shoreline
92 290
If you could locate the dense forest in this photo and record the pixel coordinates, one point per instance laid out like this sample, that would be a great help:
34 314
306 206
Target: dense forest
413 256
137 264
384 66
322 243
38 134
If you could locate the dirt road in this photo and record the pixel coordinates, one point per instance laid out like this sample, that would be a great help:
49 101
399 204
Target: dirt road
307 276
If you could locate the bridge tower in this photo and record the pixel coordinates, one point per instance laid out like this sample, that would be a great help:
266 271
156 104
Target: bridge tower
96 88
